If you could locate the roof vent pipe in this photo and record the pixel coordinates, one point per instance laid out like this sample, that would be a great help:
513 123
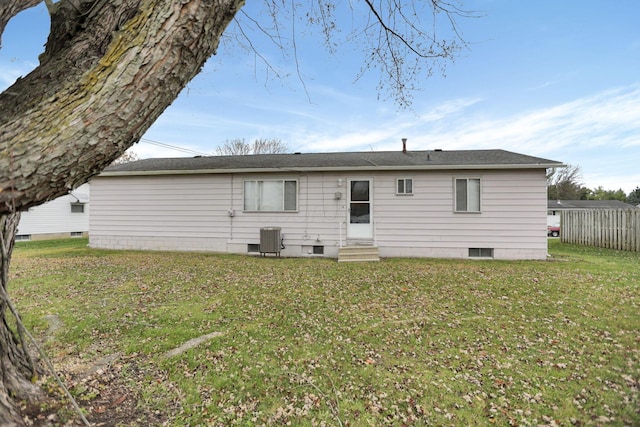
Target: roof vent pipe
404 145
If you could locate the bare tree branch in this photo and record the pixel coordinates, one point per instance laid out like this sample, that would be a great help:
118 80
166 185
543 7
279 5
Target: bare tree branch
400 39
295 52
236 147
389 32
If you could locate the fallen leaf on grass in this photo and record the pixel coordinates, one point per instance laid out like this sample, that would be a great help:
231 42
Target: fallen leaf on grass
119 401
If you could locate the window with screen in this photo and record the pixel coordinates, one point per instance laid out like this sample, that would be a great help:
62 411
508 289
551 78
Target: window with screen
271 196
467 194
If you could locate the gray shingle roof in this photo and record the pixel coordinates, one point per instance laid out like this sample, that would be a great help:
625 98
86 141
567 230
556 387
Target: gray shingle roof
374 160
587 204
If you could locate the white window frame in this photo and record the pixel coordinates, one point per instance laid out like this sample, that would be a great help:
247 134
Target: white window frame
468 202
404 187
258 205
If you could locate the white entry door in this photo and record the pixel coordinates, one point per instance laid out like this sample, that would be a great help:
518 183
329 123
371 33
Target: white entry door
360 212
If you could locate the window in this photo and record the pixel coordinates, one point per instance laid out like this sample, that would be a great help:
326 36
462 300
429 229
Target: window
480 252
467 194
77 207
404 186
271 196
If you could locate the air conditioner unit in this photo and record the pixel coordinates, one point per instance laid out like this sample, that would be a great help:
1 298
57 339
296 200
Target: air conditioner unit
270 240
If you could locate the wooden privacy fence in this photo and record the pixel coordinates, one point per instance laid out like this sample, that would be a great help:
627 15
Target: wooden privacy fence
606 228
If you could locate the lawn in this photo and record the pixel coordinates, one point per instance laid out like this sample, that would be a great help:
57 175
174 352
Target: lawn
314 342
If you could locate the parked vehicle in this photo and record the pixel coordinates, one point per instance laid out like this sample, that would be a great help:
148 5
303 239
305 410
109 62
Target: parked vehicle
553 230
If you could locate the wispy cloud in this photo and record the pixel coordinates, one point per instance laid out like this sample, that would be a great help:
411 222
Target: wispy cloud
611 117
8 75
593 124
582 132
384 129
542 85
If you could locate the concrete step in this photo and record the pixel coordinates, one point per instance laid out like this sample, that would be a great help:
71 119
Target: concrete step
358 254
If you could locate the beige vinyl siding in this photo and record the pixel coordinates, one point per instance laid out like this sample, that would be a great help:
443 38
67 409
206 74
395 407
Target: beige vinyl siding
161 212
511 220
191 212
316 216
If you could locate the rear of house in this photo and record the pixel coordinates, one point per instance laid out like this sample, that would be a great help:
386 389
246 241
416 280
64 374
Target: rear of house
455 204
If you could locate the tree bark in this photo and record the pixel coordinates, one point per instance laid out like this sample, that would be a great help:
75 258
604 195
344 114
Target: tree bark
110 68
15 366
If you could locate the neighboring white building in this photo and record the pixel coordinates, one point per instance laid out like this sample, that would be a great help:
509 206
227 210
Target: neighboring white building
454 204
66 216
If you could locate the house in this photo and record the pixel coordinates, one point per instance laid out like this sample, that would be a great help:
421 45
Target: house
66 216
436 203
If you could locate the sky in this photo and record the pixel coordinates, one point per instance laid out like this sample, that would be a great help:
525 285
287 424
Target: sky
554 79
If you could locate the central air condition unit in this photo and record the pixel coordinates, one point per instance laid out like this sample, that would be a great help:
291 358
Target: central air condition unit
270 240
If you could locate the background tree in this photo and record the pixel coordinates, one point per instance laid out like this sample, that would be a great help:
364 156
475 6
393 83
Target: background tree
602 194
566 184
126 157
259 146
110 68
634 197
233 147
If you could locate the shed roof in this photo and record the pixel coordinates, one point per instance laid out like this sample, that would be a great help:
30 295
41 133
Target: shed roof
351 161
559 205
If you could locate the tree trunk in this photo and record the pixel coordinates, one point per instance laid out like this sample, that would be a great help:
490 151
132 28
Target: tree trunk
15 366
110 68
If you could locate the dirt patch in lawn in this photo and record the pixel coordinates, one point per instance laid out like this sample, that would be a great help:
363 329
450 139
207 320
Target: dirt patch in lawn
108 389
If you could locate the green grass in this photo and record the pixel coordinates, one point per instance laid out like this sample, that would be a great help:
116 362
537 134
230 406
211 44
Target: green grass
313 341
